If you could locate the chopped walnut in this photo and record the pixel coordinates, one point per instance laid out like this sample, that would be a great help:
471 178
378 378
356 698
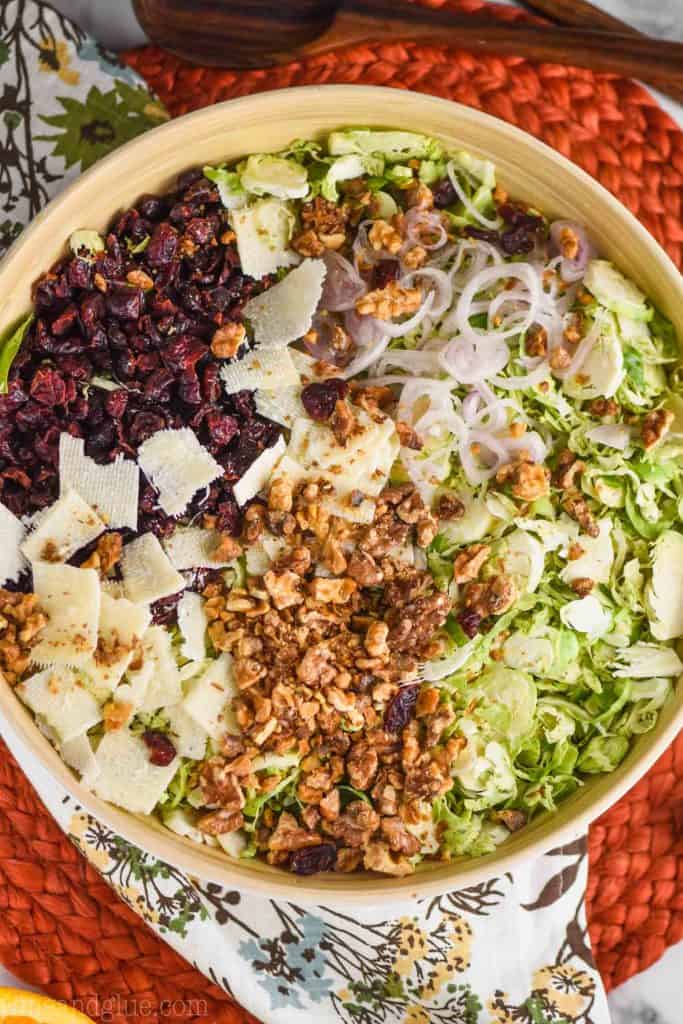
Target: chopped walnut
573 332
427 701
284 588
513 819
603 407
330 805
333 557
575 551
371 396
323 216
378 857
529 480
362 763
348 859
426 530
567 469
116 714
355 826
577 507
21 620
398 837
383 236
449 507
415 257
468 563
228 339
364 570
219 786
139 279
280 494
106 554
655 426
582 586
559 359
227 548
411 509
408 437
419 195
289 835
536 342
219 823
308 244
569 243
493 597
376 640
314 668
389 302
331 591
343 421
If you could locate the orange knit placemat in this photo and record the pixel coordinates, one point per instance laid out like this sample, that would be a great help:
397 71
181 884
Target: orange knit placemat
61 927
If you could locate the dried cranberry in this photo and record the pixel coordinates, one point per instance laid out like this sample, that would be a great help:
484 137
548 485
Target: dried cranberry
76 366
189 388
216 300
517 241
180 213
18 476
228 517
222 428
201 191
312 859
144 425
152 207
159 385
65 321
444 194
320 397
125 303
187 178
147 363
183 351
401 708
161 750
79 273
124 364
48 387
384 272
211 384
201 229
165 611
32 417
101 439
116 403
162 246
484 234
469 621
243 404
92 310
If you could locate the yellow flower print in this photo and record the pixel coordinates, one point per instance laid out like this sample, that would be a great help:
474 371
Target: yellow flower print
78 825
501 1012
54 58
98 858
416 1015
459 955
566 989
439 976
137 901
412 946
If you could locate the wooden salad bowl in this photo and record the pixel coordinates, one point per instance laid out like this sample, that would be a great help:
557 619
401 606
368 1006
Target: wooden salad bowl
527 169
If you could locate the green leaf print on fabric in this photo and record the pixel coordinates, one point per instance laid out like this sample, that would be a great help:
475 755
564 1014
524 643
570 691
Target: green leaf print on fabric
88 131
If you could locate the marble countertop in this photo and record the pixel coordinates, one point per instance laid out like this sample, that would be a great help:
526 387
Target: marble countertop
654 996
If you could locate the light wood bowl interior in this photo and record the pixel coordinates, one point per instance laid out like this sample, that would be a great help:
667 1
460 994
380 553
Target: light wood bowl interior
529 170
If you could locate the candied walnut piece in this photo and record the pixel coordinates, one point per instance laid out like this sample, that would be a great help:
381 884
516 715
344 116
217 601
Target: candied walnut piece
330 805
528 481
398 837
314 668
577 507
449 507
415 257
284 588
389 302
569 243
289 835
419 195
355 826
567 469
408 437
219 785
575 551
559 359
491 598
139 279
362 763
308 244
512 819
469 562
363 568
280 494
228 339
348 859
603 407
376 640
115 714
106 554
582 585
21 620
536 342
343 421
427 701
383 235
331 591
655 426
219 823
378 857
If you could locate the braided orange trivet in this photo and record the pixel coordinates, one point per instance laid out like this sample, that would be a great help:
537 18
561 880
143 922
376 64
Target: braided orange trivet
61 927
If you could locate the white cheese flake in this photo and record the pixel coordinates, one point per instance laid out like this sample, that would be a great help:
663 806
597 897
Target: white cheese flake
272 369
12 533
79 755
263 231
61 699
178 466
284 313
71 599
208 695
67 526
596 561
148 574
192 547
187 736
586 615
283 406
259 473
120 629
112 490
126 776
158 672
192 623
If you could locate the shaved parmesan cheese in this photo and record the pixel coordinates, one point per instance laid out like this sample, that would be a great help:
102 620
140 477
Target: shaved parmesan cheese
283 406
71 599
126 776
158 671
192 623
262 553
233 843
112 490
596 561
259 473
69 525
190 547
664 594
284 312
60 698
586 615
272 369
646 661
147 572
208 696
120 630
178 466
12 533
263 232
182 822
523 558
188 738
78 754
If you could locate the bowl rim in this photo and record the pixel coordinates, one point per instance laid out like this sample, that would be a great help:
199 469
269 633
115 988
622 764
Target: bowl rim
188 856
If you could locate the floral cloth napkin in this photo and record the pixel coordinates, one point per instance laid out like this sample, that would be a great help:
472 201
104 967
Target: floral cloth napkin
508 951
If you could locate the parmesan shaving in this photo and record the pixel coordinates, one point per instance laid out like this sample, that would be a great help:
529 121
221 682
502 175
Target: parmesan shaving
190 547
208 696
112 490
272 369
259 473
12 533
178 466
126 776
192 623
158 672
78 754
188 738
120 630
263 231
147 572
284 312
69 525
62 701
282 406
71 599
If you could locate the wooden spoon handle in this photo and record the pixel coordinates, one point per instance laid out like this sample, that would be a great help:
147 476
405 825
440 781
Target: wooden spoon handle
656 61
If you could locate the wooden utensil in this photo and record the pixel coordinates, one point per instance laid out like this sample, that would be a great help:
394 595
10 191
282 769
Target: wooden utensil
256 33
